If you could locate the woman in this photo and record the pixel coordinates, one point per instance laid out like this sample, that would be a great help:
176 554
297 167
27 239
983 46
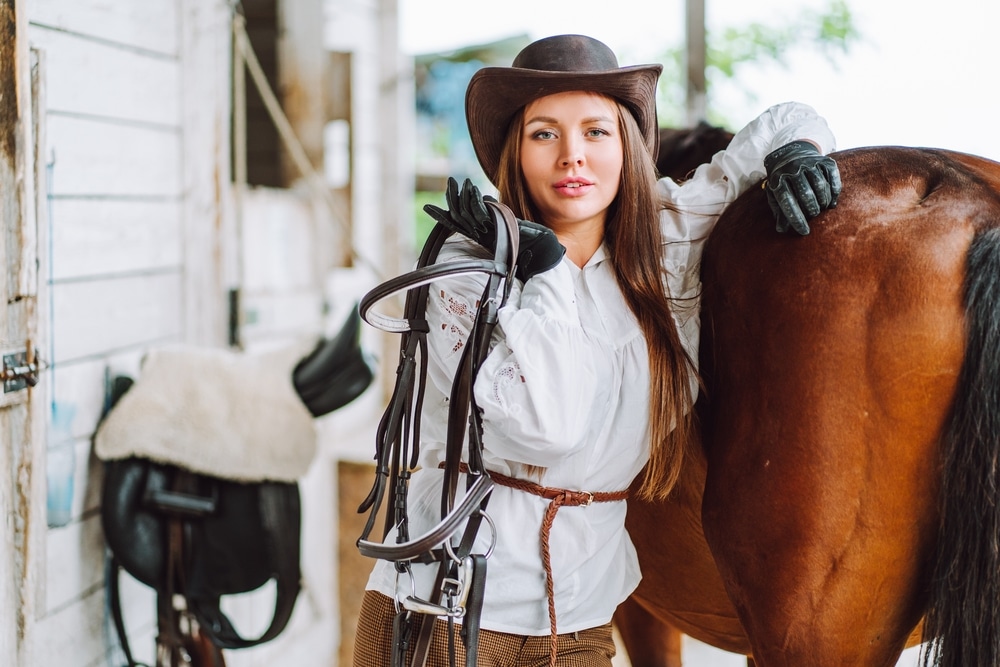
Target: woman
592 371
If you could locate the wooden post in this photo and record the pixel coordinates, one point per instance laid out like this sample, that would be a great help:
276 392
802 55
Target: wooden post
301 61
22 411
211 242
694 105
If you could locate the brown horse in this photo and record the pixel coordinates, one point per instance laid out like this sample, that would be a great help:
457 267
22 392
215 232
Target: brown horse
681 150
846 492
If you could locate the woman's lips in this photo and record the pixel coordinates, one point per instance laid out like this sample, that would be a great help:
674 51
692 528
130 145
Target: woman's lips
574 187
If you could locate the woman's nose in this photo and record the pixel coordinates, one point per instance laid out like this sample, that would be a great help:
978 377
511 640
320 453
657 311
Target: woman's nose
572 154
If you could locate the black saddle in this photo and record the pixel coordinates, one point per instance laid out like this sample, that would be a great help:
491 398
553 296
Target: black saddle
336 372
198 537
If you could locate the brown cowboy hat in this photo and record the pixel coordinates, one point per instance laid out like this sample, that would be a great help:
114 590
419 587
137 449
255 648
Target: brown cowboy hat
554 65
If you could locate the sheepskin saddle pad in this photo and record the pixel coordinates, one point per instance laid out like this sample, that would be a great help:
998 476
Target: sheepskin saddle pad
215 411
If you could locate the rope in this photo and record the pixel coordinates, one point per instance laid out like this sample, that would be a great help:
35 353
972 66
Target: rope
288 136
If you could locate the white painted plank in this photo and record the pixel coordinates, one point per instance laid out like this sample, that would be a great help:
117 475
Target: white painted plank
94 158
149 24
138 603
295 314
101 79
74 562
81 633
108 236
73 480
97 317
279 233
73 634
78 393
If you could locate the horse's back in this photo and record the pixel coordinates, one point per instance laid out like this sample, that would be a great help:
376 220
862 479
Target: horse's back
845 332
856 325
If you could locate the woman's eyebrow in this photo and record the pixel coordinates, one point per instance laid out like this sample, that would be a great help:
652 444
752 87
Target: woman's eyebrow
542 119
555 121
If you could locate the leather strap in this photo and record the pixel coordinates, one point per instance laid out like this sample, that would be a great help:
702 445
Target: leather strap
402 631
474 610
425 627
413 549
111 577
419 278
393 440
169 643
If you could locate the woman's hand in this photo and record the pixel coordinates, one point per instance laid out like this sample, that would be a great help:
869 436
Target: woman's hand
468 215
800 184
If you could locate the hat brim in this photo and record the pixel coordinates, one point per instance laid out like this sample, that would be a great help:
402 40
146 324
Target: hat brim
495 94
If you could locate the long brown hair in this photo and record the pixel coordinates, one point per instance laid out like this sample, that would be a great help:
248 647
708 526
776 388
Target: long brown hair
634 242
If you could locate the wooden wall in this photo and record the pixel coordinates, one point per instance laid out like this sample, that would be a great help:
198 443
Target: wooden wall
147 235
115 199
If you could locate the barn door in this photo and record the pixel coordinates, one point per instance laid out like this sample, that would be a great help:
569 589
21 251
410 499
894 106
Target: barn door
22 398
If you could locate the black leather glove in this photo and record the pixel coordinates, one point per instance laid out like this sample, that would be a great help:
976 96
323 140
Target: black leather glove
468 215
800 183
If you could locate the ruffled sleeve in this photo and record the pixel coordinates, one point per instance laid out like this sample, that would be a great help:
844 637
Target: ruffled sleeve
538 388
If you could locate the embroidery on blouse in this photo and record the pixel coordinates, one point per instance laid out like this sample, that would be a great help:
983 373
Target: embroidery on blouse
457 316
506 375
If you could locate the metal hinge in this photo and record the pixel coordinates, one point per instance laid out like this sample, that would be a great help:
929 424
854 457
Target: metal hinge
18 372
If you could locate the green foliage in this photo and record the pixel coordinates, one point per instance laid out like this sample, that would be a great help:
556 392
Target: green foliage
831 32
424 222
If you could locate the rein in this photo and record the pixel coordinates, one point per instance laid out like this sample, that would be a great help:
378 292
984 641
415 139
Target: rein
460 581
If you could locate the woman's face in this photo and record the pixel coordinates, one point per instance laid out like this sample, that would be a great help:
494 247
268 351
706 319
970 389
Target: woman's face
572 157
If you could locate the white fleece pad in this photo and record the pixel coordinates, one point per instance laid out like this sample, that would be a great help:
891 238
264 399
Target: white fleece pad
217 412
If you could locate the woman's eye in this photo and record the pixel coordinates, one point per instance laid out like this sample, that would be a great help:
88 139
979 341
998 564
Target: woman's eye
544 134
597 132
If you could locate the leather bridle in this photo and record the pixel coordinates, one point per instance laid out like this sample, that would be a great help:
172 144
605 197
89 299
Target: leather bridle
458 589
